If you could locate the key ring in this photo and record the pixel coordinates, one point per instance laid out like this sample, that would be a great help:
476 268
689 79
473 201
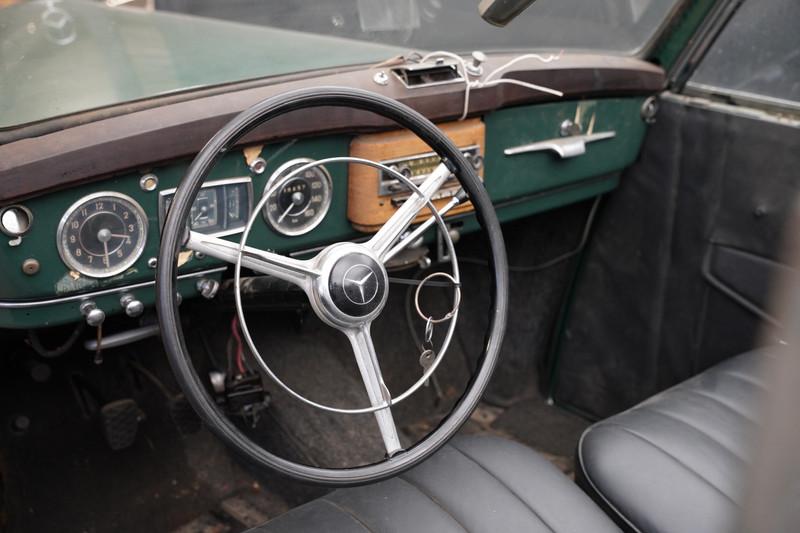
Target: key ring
457 302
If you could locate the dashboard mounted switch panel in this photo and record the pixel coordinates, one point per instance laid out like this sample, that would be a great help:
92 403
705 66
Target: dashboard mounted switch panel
374 195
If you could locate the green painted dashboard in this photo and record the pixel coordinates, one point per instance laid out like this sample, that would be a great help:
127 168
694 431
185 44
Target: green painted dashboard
519 185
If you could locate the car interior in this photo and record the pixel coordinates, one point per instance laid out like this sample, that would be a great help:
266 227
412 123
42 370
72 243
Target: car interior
399 266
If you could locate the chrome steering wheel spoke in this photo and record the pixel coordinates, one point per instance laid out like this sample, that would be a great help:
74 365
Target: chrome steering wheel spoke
382 242
301 273
378 393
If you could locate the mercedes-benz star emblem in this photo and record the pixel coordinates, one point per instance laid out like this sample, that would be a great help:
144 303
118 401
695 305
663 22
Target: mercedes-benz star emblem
360 284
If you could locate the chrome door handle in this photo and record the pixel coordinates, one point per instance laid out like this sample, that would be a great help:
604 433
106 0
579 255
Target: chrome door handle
565 147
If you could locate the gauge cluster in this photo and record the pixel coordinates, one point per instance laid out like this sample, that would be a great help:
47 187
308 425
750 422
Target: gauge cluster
221 208
104 234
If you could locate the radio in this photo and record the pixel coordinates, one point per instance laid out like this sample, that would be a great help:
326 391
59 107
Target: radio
374 195
417 168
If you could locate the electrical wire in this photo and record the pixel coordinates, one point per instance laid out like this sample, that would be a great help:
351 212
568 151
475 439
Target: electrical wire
49 353
489 80
239 358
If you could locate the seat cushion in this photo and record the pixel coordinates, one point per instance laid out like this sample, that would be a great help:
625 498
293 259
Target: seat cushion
676 462
480 484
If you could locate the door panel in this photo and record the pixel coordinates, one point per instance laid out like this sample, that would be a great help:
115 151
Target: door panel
678 273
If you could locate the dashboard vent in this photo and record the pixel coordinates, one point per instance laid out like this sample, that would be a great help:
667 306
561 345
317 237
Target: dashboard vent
439 72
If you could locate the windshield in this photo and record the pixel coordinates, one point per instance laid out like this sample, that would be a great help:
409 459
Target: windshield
59 57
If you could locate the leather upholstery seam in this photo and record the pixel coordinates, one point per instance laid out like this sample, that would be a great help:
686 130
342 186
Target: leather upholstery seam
718 401
744 377
349 512
435 501
503 483
706 435
597 491
674 459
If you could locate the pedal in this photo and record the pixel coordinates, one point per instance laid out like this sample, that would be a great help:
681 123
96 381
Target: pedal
183 415
121 422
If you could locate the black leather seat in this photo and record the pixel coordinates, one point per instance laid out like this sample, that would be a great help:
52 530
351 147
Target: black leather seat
676 462
483 484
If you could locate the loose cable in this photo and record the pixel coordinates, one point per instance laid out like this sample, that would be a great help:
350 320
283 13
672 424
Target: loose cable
489 80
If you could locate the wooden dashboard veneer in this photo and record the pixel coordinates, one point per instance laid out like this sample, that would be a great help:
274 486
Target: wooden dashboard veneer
365 208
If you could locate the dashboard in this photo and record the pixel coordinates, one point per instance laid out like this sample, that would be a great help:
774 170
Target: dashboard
81 218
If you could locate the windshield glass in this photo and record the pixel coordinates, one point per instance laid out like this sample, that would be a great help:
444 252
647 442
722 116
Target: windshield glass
59 57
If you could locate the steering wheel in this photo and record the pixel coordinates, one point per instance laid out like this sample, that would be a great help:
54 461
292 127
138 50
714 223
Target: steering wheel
346 283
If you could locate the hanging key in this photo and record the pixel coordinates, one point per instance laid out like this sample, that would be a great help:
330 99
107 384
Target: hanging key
428 355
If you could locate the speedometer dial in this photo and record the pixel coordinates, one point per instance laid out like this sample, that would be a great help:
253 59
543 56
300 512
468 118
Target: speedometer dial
102 234
297 205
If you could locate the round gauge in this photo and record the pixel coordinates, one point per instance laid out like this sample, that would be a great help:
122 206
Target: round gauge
102 234
297 205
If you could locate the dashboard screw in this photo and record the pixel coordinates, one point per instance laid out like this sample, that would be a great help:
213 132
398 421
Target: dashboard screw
30 266
152 262
568 128
381 78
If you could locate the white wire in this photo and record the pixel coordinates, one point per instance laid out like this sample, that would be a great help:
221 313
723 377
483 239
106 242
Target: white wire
488 80
544 59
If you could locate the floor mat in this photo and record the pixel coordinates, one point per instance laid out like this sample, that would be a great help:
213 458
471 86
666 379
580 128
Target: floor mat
545 428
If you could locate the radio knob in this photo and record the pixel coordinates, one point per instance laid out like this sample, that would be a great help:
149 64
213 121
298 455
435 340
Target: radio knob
477 161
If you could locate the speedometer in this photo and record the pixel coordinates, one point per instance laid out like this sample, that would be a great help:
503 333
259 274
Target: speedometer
297 205
102 234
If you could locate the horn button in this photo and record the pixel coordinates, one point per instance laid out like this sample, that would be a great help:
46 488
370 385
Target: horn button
357 285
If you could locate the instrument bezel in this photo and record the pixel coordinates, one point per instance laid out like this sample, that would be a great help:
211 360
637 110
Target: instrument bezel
326 202
128 261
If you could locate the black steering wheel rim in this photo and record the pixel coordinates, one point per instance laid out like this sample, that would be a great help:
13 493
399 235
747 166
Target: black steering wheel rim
172 239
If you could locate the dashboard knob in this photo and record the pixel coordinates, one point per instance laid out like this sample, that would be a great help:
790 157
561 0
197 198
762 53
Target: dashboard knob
94 315
207 288
131 305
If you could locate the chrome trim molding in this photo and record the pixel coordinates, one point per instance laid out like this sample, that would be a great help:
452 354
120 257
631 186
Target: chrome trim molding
743 98
104 292
162 215
735 110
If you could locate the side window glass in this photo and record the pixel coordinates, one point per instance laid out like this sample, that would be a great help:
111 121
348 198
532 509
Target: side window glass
756 57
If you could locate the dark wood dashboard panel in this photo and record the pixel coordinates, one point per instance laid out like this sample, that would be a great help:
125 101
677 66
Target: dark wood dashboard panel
84 152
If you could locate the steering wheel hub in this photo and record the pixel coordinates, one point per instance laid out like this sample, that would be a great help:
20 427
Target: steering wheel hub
353 285
357 285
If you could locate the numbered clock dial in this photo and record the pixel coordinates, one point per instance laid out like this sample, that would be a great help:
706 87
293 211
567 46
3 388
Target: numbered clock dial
297 205
102 234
